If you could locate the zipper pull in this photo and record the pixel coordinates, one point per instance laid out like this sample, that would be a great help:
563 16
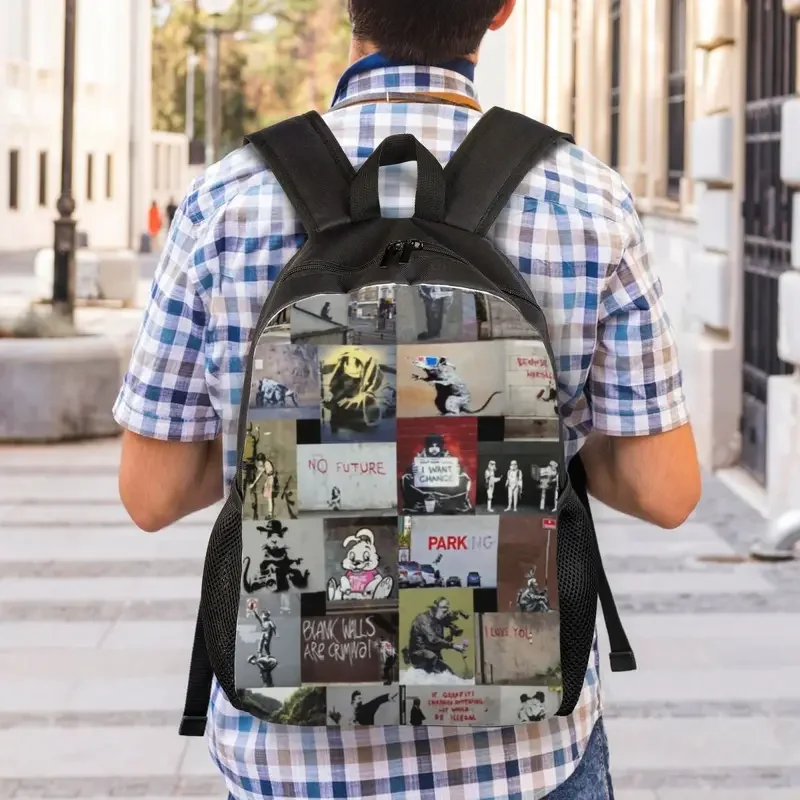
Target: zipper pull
392 254
408 247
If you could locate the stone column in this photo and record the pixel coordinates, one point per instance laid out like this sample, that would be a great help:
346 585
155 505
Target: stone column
783 422
713 355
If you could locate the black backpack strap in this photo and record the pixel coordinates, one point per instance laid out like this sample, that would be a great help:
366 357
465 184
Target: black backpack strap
621 656
311 167
198 691
499 151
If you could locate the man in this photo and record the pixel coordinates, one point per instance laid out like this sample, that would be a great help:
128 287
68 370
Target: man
572 229
364 713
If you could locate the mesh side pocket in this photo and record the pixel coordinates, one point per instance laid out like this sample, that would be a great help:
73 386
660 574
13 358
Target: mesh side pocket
219 601
577 592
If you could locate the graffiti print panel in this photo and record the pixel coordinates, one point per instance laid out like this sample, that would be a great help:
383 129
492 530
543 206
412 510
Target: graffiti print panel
530 381
341 478
290 706
519 648
361 561
450 380
428 313
479 706
350 648
358 393
359 706
437 632
531 429
526 564
269 479
285 382
526 705
281 556
499 319
462 550
373 315
436 465
321 319
268 641
518 477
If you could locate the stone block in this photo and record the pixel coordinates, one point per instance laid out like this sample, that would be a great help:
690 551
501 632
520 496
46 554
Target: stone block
715 23
99 275
783 444
717 91
792 7
715 219
788 321
790 136
58 389
712 380
712 149
795 254
710 295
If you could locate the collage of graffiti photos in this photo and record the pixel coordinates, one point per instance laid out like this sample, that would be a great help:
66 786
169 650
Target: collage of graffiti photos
399 517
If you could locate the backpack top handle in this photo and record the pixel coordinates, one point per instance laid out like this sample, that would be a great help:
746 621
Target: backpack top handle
431 185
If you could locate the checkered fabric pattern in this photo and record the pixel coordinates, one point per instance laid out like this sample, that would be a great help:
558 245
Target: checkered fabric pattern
572 230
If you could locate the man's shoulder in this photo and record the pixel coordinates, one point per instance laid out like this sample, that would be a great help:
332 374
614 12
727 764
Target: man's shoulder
571 178
238 175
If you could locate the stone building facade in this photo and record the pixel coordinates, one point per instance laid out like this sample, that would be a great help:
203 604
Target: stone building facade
695 103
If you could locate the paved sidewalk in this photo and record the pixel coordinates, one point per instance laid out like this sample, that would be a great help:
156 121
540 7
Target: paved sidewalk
96 621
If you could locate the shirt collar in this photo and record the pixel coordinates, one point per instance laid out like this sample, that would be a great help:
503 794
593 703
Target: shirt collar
370 78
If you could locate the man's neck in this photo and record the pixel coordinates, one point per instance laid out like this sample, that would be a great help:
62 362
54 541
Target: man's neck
361 49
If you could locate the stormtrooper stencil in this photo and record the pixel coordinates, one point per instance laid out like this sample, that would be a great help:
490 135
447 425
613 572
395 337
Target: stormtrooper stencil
519 476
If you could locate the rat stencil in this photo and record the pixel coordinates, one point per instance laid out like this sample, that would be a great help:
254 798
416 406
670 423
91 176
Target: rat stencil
277 569
452 393
361 580
273 393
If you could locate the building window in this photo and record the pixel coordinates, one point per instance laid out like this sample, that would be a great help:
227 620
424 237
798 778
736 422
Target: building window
89 176
42 178
616 57
109 176
13 180
676 97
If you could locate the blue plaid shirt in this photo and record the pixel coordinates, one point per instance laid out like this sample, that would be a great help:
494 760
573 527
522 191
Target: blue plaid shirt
572 230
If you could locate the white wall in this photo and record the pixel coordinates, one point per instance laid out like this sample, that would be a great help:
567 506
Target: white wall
31 63
169 164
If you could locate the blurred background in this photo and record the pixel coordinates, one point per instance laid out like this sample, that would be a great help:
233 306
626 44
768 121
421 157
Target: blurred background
110 108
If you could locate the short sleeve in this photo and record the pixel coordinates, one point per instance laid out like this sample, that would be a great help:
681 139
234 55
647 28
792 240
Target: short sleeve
164 394
635 384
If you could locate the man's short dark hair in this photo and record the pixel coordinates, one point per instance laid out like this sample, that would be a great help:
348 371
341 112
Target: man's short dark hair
426 32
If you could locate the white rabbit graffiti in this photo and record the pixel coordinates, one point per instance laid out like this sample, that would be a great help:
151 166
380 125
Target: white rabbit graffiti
362 580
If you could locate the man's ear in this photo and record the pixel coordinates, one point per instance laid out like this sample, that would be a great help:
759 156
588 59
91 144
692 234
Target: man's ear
502 15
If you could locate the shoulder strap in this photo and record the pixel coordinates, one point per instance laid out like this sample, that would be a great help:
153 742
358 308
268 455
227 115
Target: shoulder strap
310 166
198 690
496 155
621 656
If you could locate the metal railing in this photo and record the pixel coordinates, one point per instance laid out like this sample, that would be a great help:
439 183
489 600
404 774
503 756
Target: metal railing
771 80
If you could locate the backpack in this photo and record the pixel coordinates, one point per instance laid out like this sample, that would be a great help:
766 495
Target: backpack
403 542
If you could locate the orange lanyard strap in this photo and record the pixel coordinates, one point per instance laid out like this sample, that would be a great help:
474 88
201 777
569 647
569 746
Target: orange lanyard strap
438 98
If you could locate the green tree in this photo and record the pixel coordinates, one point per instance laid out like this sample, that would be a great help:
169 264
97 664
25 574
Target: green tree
267 73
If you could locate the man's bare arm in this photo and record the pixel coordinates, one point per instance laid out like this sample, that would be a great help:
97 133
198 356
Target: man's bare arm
161 482
655 478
